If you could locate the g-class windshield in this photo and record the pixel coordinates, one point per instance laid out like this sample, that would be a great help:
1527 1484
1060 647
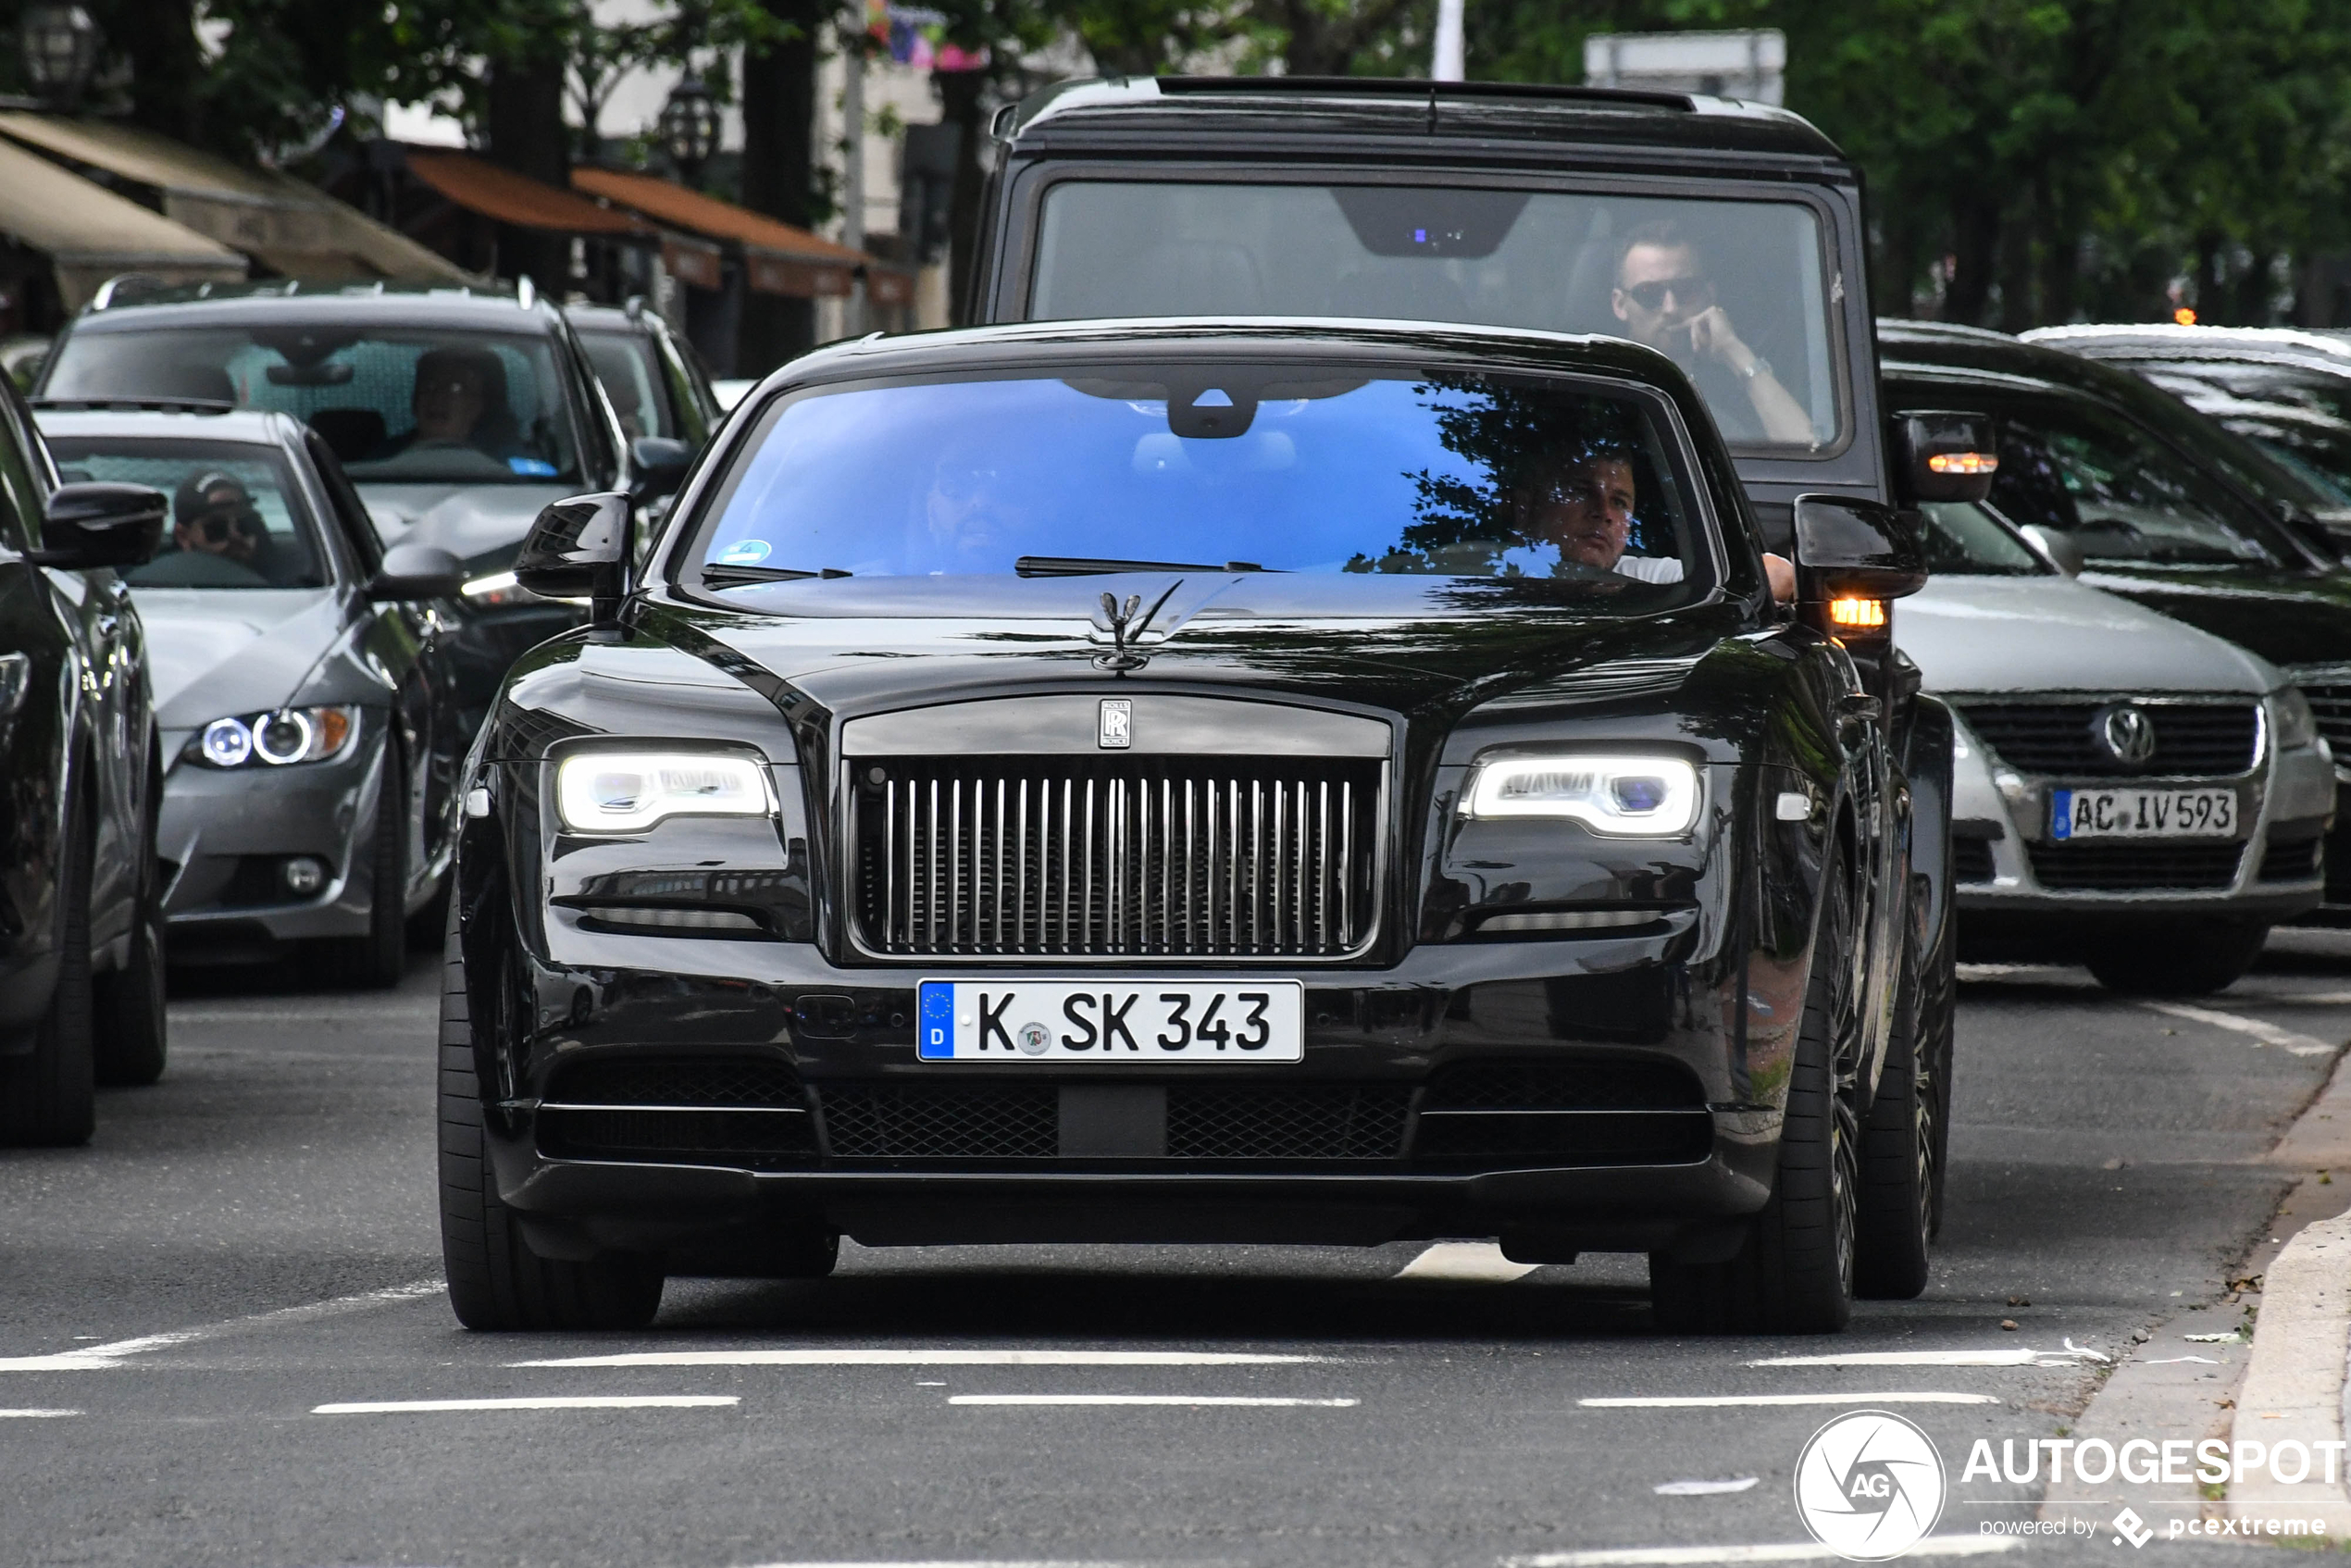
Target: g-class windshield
1215 467
1736 292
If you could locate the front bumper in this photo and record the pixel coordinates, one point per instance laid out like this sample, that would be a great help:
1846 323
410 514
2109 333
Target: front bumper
223 832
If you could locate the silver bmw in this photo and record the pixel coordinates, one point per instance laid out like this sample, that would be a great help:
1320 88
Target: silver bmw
2128 792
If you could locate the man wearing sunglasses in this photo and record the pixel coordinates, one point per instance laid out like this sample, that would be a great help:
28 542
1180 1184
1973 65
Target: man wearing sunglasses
213 514
1666 300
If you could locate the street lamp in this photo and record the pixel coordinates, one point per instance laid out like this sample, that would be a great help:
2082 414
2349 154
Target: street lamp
59 46
688 127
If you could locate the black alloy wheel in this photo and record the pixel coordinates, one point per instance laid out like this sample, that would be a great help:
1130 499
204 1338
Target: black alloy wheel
48 1096
2175 957
1903 1141
376 960
1793 1269
496 1282
131 1039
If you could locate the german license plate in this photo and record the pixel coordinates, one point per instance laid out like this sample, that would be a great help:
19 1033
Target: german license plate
1111 1021
2143 813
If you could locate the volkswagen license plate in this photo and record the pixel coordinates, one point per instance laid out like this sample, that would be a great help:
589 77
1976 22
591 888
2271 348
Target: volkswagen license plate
1075 1020
2143 813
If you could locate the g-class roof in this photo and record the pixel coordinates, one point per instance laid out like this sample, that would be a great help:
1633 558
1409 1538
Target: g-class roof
1282 116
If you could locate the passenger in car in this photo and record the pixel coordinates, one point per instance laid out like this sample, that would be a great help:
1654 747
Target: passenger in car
459 399
213 514
1665 298
1586 511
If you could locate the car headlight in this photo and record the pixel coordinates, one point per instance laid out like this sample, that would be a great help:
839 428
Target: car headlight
2292 723
278 738
629 791
1648 797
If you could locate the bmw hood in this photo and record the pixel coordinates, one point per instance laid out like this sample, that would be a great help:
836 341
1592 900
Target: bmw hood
216 651
1982 634
482 525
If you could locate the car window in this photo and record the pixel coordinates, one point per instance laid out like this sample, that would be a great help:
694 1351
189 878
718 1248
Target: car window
1736 292
22 493
394 402
631 370
1292 469
1963 540
2126 496
689 391
358 524
238 517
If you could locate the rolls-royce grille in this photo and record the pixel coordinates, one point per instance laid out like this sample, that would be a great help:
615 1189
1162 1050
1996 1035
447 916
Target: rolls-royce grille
2208 739
1146 856
2129 866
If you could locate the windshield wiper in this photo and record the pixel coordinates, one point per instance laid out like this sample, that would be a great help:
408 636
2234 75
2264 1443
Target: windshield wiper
1090 565
737 577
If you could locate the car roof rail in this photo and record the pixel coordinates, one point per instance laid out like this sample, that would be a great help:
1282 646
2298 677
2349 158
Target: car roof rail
137 405
122 285
1414 87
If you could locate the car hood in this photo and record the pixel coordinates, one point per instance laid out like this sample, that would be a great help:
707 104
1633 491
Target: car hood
2289 619
1433 646
1971 634
482 525
216 651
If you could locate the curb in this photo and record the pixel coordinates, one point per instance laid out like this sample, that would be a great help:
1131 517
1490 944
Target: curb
2292 1389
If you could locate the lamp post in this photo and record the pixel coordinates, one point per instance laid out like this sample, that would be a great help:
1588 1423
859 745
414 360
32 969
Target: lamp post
689 126
59 46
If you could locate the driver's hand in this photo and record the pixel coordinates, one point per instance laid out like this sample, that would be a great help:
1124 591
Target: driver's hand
1713 338
1780 572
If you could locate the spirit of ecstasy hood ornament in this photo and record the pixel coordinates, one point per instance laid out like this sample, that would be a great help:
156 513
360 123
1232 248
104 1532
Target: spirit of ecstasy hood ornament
1126 632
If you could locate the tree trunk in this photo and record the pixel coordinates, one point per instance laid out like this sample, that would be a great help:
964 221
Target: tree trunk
2060 258
2210 304
524 122
2016 266
1975 238
959 99
2253 291
1895 270
158 37
779 173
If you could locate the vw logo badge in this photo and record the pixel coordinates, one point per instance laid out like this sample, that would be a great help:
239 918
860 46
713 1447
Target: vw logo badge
2127 732
1117 723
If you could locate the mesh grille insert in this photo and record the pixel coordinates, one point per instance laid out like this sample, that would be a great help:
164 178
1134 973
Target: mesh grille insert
735 1137
888 1122
1292 1122
2132 866
2190 738
1535 1084
660 1081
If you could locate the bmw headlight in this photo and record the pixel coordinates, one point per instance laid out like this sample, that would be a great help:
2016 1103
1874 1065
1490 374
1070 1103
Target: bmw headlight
278 738
2292 723
1627 796
629 791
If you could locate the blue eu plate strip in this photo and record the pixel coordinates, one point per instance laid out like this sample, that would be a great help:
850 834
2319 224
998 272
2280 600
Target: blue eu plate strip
934 1016
2061 814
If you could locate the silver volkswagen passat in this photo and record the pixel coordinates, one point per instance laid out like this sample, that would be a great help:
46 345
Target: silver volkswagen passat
310 739
2130 792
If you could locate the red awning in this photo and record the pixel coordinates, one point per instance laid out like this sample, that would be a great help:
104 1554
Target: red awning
482 187
779 258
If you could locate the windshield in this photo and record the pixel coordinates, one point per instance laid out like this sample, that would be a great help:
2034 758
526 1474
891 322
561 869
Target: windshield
238 518
1293 469
1734 290
394 402
1962 539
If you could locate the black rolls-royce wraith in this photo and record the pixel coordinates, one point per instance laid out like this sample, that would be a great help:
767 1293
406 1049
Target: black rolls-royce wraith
1274 780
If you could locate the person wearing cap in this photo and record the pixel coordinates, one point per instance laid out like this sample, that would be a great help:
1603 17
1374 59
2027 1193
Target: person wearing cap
213 514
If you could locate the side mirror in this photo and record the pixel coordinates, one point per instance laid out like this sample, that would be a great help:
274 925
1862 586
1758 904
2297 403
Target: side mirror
416 571
660 463
1852 556
579 549
101 525
1941 456
2060 548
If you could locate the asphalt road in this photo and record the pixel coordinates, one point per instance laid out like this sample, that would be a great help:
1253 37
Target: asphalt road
253 1239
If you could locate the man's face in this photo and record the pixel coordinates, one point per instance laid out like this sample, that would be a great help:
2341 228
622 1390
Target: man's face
449 404
225 527
1588 513
1658 288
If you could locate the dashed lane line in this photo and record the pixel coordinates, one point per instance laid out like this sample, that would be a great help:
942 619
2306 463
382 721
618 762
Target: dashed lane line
1475 1262
35 1415
2259 1029
575 1401
92 1357
1791 1551
916 1356
1713 1401
2019 1355
1145 1399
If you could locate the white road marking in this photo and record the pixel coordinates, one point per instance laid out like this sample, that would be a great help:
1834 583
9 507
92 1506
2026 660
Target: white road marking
850 1356
1709 1401
2171 1360
1479 1262
2022 1355
1703 1489
960 1562
577 1401
1792 1551
1140 1399
2267 1033
34 1414
94 1358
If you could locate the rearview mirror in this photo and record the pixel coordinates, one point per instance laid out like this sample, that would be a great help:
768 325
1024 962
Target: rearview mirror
660 463
579 549
1851 557
416 571
101 525
1944 457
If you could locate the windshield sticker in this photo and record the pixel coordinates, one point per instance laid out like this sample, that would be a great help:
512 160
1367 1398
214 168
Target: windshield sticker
744 553
533 467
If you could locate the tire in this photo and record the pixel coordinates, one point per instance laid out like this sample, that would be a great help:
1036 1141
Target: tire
1794 1271
495 1281
376 960
2175 958
1899 1204
131 1034
49 1096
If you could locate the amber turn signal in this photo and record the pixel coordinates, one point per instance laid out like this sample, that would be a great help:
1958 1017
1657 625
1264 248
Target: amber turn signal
1857 614
1963 463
